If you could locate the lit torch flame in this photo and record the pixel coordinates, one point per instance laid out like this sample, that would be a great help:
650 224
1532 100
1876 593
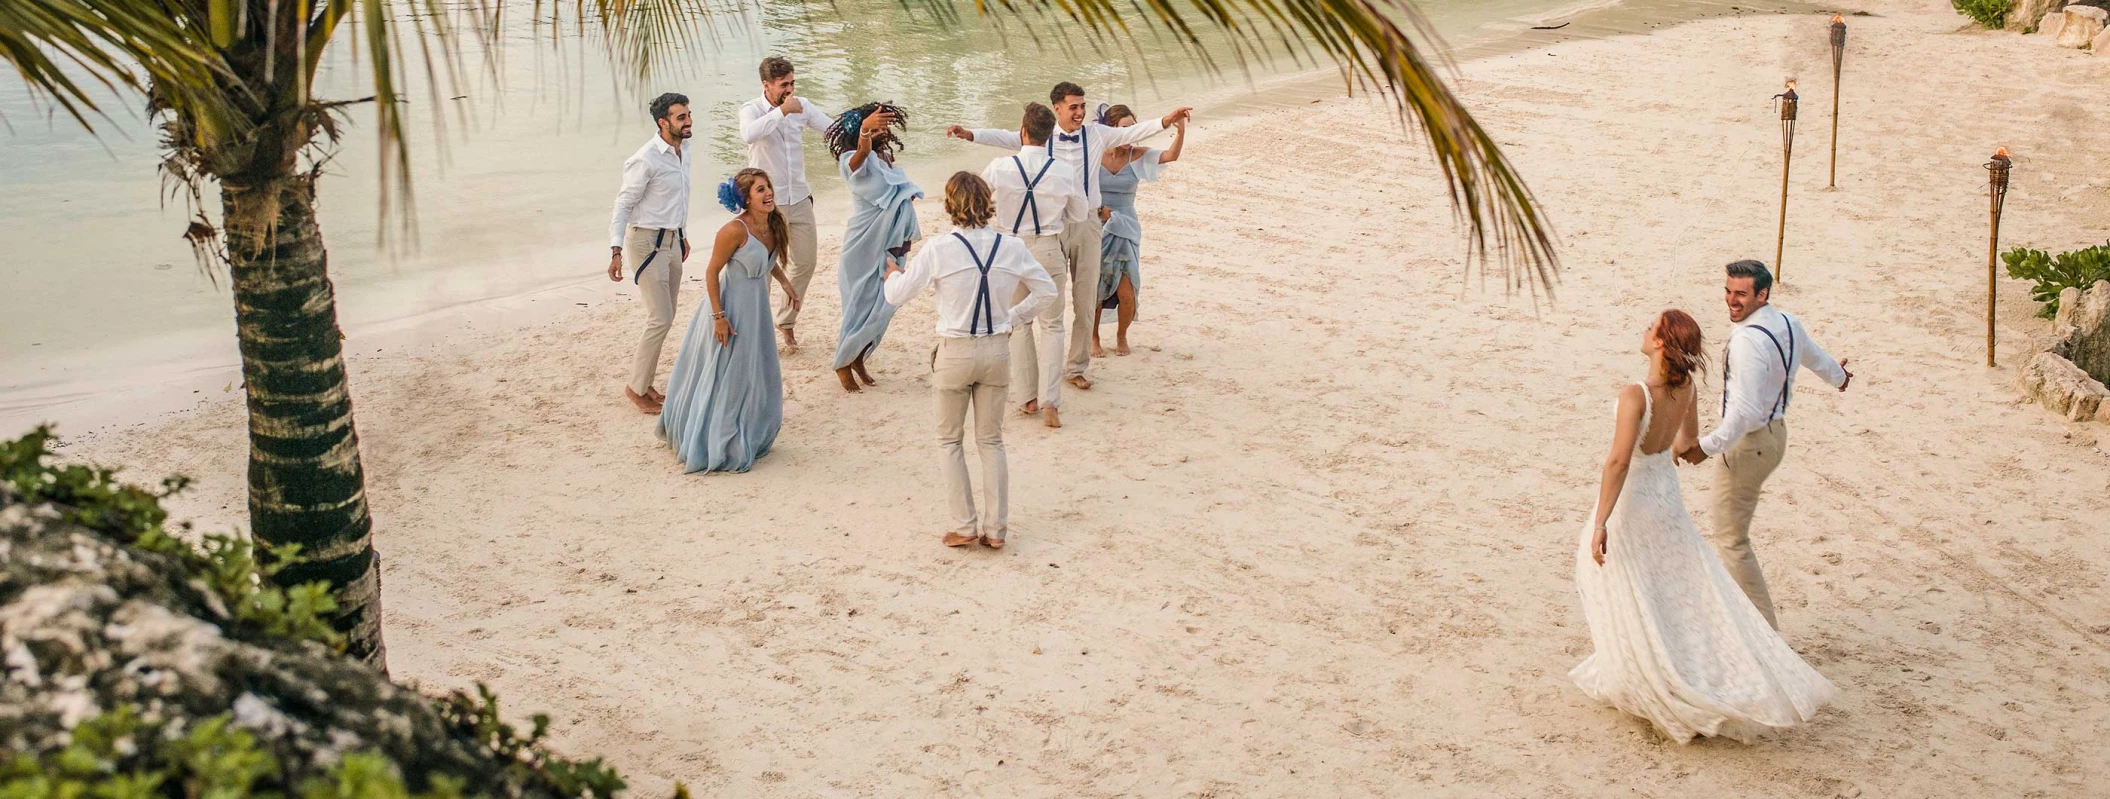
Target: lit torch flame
2000 153
1791 84
1838 19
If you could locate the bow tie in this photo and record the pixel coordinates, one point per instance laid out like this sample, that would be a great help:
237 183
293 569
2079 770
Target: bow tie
1065 137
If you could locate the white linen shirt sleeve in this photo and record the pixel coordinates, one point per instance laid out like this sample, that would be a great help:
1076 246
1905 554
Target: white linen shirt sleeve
1143 129
1040 289
756 124
1000 139
903 286
1755 377
1815 359
815 117
637 175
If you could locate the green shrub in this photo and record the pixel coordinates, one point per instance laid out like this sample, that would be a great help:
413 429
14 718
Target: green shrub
2054 273
1990 13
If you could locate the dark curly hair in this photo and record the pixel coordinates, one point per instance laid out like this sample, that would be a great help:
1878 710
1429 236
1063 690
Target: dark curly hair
843 138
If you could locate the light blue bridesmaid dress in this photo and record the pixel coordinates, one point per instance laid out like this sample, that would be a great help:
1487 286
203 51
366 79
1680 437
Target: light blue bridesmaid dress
726 402
882 218
1121 245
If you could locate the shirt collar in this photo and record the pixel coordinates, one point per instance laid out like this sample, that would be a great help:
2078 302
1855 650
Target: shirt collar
1033 149
660 143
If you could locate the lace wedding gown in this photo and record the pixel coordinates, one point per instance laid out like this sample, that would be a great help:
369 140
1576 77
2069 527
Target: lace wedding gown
1676 640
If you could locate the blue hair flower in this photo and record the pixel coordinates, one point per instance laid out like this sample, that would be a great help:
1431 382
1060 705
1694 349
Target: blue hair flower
1101 115
730 196
851 121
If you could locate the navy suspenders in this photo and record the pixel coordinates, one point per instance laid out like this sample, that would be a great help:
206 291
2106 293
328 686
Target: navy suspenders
1031 184
1785 364
982 320
657 237
1084 143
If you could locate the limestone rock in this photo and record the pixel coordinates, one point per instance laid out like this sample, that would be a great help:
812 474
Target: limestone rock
2102 42
2049 25
2031 13
2059 385
2081 331
2081 25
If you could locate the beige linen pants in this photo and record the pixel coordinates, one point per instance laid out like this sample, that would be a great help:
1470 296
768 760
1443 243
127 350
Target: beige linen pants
803 247
1742 473
660 285
1037 345
973 371
1081 245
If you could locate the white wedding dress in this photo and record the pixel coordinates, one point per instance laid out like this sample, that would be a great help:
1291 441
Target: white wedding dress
1676 640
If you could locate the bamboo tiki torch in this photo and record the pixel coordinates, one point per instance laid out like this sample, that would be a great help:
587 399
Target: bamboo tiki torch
1838 55
1998 169
1787 154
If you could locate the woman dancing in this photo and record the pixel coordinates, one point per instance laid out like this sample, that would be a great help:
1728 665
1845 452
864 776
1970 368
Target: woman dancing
1121 169
882 226
725 400
1677 642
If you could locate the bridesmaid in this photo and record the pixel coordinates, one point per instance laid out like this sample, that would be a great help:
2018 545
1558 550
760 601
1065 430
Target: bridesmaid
725 400
882 226
1120 247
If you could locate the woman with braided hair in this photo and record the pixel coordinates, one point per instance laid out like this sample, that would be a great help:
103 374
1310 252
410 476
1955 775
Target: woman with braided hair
882 226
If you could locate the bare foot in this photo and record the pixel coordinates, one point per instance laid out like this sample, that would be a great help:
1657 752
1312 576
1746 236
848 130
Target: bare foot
1121 347
993 542
1098 351
957 540
655 396
1080 382
849 381
858 366
645 404
791 342
1050 418
1031 407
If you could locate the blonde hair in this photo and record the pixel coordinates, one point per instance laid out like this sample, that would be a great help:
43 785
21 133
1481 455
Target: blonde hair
968 201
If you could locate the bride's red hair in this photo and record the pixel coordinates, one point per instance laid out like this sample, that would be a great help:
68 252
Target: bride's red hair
1682 343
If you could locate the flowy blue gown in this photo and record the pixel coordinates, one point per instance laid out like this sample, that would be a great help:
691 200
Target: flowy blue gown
1121 245
725 403
882 218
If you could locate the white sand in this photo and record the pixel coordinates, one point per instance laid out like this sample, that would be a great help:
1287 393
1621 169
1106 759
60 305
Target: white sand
1315 538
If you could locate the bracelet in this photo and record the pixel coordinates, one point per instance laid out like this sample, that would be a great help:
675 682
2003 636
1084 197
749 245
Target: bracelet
718 315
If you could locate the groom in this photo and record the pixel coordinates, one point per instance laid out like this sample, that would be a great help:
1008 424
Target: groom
1758 378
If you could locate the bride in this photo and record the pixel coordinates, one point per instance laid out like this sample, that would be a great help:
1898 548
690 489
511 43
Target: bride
1676 640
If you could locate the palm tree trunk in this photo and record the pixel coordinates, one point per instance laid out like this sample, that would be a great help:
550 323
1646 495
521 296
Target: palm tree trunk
306 486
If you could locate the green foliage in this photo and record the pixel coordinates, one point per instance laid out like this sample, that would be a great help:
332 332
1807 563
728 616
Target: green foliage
2054 273
224 564
526 758
1990 13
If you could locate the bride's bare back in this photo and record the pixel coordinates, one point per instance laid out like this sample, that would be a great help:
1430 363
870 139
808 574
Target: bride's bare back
1673 407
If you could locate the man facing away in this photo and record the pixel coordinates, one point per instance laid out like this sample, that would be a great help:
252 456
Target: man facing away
1758 378
972 269
646 236
1079 146
1037 199
772 125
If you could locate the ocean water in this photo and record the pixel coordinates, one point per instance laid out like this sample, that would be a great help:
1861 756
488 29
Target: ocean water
514 170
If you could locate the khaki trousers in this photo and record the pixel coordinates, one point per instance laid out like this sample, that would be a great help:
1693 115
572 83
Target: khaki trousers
964 372
660 286
1742 473
1037 344
1081 245
803 246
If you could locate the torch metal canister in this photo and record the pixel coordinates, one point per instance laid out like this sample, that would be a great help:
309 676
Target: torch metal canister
1997 173
1787 154
1838 57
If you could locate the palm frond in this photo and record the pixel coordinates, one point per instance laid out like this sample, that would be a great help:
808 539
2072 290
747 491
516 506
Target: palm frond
69 51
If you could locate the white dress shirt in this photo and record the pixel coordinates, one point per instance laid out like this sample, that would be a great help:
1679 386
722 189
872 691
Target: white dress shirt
944 261
774 146
1056 198
1758 381
655 191
1080 150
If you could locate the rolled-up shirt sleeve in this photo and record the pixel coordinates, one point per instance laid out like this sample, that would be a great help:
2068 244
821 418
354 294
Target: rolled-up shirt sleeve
903 286
1754 387
636 176
1815 359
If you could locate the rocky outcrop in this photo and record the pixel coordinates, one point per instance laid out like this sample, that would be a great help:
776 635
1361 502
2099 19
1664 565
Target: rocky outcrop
2101 46
2080 25
2026 14
2068 373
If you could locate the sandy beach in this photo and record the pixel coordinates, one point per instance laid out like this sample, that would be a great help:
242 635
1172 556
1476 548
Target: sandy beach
1316 536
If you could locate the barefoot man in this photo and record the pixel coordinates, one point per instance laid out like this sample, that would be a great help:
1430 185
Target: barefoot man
1079 146
1036 200
772 126
645 236
1758 378
973 270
